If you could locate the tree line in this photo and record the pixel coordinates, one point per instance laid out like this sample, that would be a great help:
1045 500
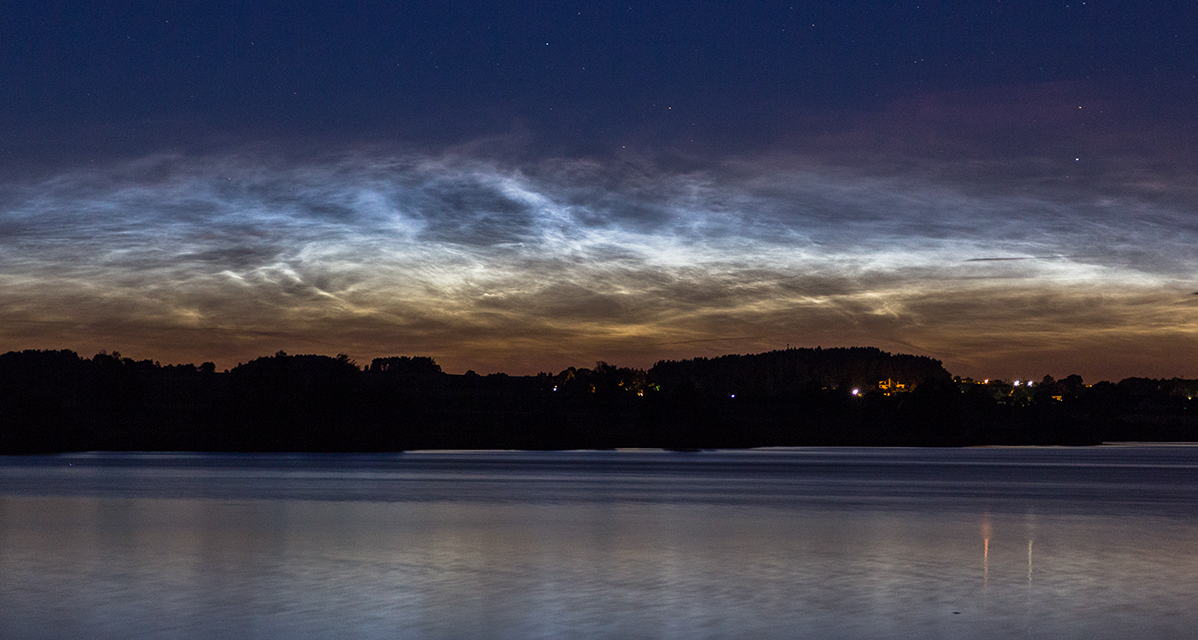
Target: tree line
54 401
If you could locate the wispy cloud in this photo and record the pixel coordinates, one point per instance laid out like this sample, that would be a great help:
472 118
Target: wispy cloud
513 265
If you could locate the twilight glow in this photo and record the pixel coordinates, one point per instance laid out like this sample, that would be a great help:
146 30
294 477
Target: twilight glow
1010 227
517 267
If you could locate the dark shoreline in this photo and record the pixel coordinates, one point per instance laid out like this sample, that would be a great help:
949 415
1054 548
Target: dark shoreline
56 401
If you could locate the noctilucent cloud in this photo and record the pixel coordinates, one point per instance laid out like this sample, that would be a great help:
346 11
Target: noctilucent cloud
1011 190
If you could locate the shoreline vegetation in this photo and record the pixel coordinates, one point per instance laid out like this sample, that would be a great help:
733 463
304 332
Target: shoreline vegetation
57 401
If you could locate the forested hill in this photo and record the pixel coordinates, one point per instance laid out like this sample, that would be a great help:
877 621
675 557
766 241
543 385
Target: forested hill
785 372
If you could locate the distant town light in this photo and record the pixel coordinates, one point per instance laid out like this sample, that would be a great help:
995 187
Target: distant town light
856 391
1017 383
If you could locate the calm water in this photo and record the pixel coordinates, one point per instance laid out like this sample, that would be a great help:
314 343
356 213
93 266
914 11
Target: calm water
844 543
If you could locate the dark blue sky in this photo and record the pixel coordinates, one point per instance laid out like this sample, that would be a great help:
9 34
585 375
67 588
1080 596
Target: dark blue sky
581 73
1009 186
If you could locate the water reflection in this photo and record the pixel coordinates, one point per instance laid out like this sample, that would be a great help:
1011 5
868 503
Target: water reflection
562 545
987 532
987 529
1031 537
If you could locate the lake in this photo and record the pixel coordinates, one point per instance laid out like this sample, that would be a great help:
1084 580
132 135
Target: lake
805 543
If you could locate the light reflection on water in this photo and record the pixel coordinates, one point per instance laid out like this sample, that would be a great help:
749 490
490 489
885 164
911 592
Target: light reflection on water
859 543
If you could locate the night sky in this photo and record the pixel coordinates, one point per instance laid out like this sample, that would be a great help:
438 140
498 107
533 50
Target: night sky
1009 186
